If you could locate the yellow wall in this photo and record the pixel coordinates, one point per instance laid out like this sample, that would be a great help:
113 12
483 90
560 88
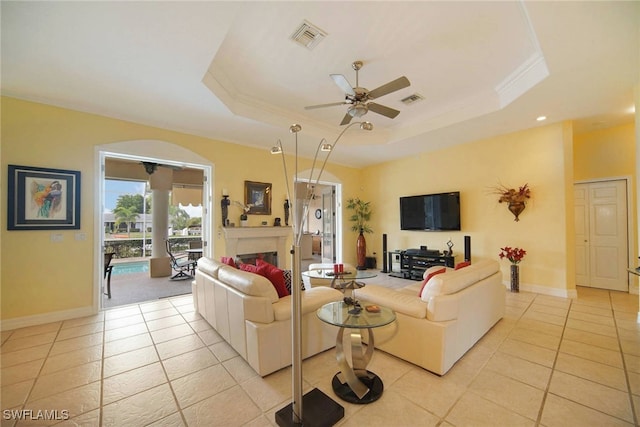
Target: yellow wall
605 153
536 157
610 153
39 276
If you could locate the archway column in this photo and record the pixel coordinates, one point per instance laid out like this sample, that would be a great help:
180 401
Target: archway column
160 183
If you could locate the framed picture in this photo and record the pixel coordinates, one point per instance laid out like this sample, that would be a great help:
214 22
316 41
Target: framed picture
257 195
43 199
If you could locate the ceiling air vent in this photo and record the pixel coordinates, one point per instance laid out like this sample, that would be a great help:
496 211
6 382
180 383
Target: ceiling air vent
308 35
412 99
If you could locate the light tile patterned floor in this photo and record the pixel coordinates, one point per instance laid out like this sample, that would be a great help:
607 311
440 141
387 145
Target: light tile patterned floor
549 362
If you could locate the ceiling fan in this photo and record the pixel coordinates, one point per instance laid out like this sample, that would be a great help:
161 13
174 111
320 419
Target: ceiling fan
151 167
358 97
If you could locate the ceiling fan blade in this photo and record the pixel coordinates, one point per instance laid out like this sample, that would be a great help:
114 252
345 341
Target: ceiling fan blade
397 84
381 109
343 84
312 107
346 119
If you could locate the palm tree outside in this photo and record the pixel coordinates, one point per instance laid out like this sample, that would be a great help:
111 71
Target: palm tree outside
125 215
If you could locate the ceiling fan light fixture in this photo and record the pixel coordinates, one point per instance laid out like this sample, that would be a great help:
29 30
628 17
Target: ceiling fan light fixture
358 110
366 126
295 128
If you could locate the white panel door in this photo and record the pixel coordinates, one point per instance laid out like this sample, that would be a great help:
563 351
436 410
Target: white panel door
328 225
601 259
581 219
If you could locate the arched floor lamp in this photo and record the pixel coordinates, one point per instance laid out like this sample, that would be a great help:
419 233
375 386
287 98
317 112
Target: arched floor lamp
320 410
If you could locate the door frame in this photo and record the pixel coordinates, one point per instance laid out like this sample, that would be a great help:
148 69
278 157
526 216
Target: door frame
631 255
331 181
136 150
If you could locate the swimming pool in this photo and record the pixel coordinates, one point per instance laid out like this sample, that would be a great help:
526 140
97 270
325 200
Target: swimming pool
131 267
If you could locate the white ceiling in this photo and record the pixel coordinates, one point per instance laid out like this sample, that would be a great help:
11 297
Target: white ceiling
229 71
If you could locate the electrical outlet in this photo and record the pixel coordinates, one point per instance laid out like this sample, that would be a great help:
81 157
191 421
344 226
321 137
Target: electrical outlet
57 237
81 236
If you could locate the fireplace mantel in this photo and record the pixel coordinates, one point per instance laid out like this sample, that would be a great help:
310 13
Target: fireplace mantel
249 240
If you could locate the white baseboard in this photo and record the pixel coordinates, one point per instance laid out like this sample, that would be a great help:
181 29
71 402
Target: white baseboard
40 319
556 292
545 290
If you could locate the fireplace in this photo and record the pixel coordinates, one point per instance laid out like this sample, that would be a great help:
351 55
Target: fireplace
270 257
249 241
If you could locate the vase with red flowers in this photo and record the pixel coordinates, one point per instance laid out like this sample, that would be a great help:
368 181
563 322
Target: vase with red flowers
514 255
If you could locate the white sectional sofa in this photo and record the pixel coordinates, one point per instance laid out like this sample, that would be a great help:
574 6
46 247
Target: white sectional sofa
437 327
244 308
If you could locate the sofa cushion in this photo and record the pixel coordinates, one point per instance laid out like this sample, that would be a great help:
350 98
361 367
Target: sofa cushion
248 283
397 301
312 299
429 275
209 266
454 281
413 289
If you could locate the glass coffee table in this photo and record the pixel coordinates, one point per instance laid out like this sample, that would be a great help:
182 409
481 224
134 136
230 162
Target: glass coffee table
328 274
341 281
354 383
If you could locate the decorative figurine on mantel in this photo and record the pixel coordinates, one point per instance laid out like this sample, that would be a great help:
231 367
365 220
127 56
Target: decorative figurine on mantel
286 212
224 207
450 246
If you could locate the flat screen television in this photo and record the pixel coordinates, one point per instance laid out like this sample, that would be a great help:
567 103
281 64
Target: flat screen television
430 212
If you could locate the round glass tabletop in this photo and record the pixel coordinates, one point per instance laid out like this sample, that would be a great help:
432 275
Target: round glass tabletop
347 275
337 313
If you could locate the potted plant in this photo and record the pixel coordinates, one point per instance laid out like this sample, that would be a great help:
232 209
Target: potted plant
360 217
514 255
245 209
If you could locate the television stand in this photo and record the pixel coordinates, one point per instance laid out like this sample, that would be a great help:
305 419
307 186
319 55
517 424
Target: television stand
413 263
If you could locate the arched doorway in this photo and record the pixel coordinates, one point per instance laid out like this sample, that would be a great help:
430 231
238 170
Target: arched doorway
166 159
329 192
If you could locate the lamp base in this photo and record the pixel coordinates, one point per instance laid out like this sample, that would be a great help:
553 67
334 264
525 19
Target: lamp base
319 410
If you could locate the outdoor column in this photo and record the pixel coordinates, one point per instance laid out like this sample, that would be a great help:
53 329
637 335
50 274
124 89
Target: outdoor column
160 183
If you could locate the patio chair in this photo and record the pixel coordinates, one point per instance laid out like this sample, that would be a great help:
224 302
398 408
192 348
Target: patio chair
108 268
195 250
195 244
185 267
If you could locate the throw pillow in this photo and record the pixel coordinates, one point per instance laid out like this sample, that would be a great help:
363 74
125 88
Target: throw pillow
252 269
275 275
462 265
229 261
429 276
288 279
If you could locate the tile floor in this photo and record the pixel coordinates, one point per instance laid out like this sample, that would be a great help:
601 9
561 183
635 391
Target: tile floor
549 362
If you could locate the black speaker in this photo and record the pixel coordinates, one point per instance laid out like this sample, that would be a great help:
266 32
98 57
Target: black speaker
384 254
467 248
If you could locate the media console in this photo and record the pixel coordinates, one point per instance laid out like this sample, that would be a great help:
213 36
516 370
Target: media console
413 262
